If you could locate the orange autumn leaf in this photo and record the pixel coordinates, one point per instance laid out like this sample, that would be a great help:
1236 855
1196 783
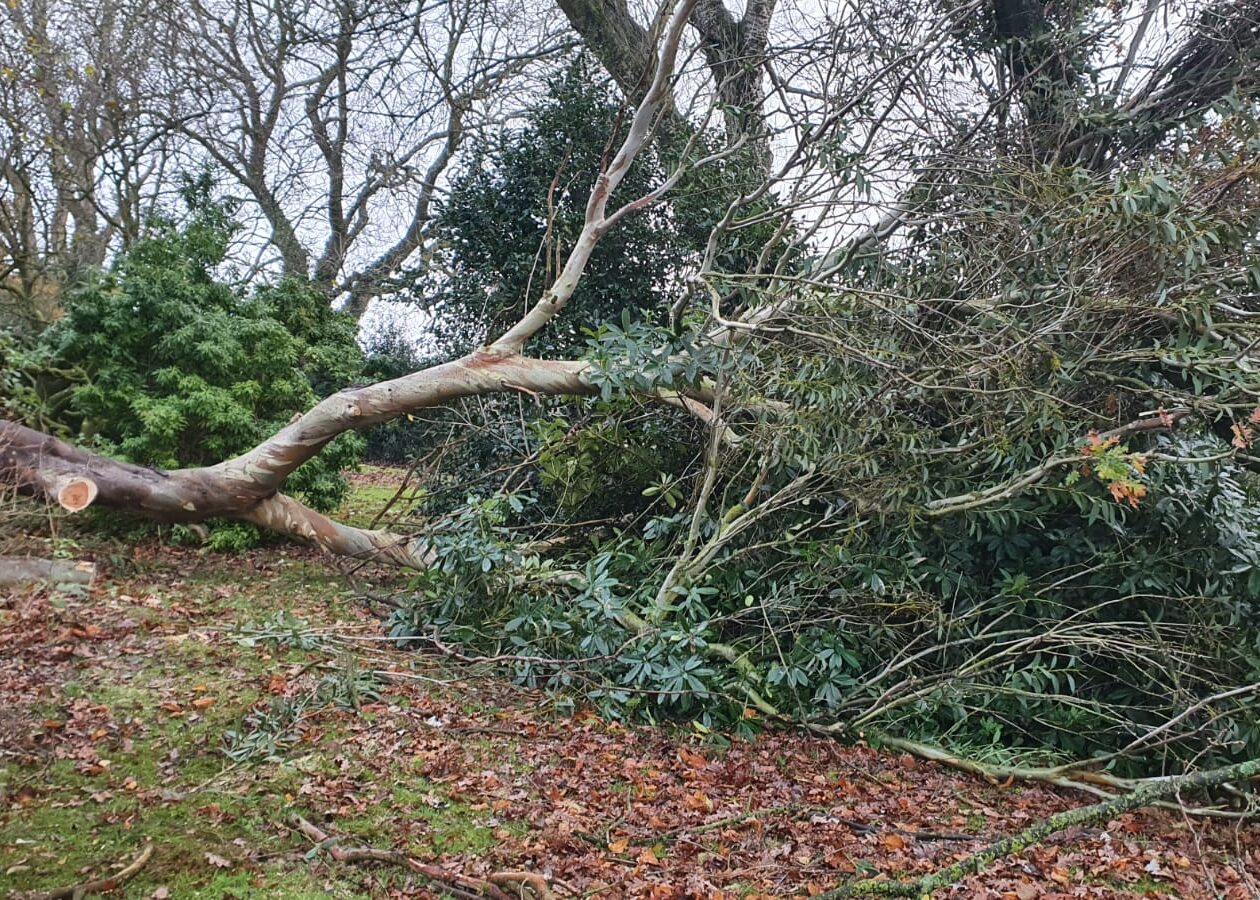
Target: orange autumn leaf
892 841
692 759
1095 444
700 802
1127 492
839 860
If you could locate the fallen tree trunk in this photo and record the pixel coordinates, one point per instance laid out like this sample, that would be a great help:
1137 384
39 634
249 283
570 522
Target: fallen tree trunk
17 572
247 487
37 463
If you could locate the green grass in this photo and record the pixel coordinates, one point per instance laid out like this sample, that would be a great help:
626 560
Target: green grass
85 823
168 779
438 826
366 499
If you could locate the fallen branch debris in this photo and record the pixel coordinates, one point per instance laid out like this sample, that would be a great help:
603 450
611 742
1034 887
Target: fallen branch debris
99 886
1086 815
455 883
1070 775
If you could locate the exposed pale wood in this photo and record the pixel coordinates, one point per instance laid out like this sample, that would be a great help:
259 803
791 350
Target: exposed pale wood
74 492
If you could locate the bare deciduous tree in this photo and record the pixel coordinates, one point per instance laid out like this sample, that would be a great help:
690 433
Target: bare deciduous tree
340 118
79 151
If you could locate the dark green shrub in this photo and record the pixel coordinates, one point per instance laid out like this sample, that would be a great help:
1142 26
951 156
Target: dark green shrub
181 369
1066 614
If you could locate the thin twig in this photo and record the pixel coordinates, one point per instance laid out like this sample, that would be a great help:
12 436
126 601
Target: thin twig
99 886
454 882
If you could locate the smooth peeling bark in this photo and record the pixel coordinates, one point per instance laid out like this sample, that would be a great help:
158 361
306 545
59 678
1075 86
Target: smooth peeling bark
284 515
39 464
485 371
246 488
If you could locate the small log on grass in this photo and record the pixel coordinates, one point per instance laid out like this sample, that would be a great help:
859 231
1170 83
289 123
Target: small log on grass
18 572
99 886
521 884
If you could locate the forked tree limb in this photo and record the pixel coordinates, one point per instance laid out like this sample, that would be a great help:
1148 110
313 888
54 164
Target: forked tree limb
246 488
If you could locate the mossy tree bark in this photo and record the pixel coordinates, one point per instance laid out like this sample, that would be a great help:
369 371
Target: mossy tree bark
1145 795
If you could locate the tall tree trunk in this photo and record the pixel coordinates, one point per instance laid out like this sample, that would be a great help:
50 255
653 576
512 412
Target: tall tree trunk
734 51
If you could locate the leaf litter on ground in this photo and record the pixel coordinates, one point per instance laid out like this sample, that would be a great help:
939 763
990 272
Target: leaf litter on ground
113 712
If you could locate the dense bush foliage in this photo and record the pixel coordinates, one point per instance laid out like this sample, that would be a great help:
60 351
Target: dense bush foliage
20 366
181 369
992 486
517 206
